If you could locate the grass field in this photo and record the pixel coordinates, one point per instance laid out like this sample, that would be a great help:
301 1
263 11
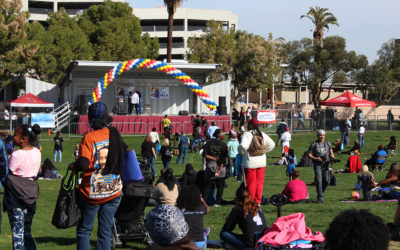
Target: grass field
318 216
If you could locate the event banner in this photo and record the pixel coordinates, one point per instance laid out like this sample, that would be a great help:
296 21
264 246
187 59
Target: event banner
44 120
159 92
266 116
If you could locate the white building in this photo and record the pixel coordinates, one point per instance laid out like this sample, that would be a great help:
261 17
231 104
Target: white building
39 9
187 23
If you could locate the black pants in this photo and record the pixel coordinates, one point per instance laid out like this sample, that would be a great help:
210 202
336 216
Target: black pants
219 185
130 108
136 106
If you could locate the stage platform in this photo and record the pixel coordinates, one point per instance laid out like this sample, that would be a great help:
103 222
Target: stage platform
142 124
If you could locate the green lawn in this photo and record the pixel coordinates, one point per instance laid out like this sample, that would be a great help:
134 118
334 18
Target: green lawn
318 216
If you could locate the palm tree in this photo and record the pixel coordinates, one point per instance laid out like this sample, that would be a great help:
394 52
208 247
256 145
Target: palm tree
171 8
321 18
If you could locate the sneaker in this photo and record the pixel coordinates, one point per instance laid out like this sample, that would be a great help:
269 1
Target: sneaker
206 232
217 205
320 200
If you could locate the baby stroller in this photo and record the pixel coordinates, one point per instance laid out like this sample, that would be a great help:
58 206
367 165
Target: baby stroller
128 220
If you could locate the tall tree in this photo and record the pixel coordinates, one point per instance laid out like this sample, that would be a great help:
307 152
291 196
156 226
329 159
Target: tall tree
171 8
61 42
382 78
15 49
115 32
321 18
335 64
250 60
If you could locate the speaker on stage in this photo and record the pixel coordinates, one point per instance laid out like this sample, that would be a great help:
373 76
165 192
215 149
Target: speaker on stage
183 112
83 104
222 110
222 101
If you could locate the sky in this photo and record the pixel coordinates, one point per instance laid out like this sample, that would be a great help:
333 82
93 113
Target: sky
365 24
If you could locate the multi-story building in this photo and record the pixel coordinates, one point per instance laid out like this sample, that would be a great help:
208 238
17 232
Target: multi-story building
187 23
39 9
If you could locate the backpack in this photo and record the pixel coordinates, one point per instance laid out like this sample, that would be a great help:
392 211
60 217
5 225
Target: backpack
256 147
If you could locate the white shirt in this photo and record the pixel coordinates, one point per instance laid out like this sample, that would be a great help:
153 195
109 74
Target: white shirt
361 130
6 115
286 137
249 161
154 137
135 98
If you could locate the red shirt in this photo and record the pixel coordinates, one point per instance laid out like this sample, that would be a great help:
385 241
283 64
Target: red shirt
295 190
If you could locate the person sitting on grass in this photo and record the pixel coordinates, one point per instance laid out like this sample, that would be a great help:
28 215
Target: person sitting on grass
374 160
357 230
367 181
392 144
290 168
167 190
282 161
337 146
250 218
167 229
189 176
355 149
296 189
194 208
392 177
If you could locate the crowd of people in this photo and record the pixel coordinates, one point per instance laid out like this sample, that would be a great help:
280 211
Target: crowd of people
177 220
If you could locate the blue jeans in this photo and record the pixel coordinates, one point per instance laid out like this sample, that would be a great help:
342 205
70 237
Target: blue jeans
182 151
231 169
361 140
322 178
59 155
151 161
233 239
21 224
106 212
166 164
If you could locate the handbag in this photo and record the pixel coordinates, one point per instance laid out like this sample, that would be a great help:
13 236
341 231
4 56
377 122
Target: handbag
67 212
27 189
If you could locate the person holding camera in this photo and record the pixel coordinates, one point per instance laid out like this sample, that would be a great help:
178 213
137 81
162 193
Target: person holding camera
321 154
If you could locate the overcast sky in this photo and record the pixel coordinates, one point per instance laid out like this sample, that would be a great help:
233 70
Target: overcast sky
365 24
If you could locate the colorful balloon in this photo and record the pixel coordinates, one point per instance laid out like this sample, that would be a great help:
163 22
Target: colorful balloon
151 64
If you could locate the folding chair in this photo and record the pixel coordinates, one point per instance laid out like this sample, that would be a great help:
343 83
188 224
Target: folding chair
380 167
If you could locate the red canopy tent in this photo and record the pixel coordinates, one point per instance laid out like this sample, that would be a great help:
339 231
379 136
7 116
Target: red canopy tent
348 99
28 100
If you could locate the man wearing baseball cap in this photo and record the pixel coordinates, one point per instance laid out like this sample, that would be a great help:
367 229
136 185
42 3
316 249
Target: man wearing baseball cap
321 152
254 159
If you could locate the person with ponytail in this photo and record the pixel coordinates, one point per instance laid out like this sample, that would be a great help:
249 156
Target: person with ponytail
101 158
21 188
250 218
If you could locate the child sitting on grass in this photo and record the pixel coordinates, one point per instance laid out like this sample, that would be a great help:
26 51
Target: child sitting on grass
282 161
194 208
367 181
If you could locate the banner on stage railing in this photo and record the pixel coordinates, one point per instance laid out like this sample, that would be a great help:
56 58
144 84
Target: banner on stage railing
159 93
44 120
266 116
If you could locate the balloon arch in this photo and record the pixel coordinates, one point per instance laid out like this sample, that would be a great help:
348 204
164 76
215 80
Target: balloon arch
156 65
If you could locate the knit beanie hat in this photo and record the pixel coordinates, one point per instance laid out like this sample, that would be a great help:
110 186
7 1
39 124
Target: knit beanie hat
166 225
